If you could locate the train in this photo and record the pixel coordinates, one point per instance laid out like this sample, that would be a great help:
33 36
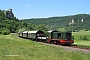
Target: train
54 37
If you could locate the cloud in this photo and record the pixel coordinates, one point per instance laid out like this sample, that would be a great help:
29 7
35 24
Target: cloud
26 5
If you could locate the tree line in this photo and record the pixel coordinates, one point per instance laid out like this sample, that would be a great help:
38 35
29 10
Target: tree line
12 25
81 22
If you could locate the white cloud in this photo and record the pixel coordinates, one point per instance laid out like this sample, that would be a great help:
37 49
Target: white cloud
26 5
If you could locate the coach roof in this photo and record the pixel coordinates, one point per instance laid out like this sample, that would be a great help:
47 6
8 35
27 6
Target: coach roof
35 31
52 31
25 31
32 31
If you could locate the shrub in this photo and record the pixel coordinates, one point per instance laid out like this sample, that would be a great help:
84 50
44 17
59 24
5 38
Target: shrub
5 32
85 38
0 32
80 38
86 30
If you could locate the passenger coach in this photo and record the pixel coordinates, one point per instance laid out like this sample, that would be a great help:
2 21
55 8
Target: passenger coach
25 34
35 34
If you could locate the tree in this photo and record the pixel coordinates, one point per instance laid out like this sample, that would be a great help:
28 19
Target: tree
21 30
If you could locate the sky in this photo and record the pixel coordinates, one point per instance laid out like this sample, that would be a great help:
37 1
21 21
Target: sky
24 9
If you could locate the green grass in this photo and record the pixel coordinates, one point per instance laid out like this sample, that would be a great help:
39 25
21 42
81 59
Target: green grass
82 33
31 50
81 42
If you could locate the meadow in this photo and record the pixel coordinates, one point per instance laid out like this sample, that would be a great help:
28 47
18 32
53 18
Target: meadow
15 48
79 41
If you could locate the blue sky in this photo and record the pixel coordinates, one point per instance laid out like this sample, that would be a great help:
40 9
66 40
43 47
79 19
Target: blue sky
45 8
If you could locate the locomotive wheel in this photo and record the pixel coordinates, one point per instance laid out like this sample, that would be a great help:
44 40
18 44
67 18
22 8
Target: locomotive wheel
69 44
51 42
57 43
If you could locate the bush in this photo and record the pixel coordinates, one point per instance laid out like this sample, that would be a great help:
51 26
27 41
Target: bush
0 32
83 38
5 32
80 38
86 30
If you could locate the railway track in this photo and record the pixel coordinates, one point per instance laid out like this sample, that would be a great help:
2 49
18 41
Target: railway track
70 48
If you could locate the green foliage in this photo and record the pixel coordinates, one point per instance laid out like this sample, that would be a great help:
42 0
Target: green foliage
83 38
52 23
8 24
4 31
45 33
21 30
82 35
60 22
13 24
62 30
41 27
0 32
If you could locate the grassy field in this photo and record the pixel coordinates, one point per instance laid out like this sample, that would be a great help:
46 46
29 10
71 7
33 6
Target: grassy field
78 38
15 48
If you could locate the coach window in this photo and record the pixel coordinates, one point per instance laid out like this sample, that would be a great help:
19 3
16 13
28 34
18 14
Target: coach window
59 35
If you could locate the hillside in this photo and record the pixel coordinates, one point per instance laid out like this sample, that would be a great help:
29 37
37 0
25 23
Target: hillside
73 22
10 24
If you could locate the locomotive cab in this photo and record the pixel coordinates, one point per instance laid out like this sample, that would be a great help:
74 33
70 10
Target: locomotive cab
60 37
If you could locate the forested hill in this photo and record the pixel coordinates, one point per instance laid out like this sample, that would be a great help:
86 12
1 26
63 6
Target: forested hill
73 22
10 24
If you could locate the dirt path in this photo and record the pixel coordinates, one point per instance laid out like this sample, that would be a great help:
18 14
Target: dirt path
75 49
67 48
